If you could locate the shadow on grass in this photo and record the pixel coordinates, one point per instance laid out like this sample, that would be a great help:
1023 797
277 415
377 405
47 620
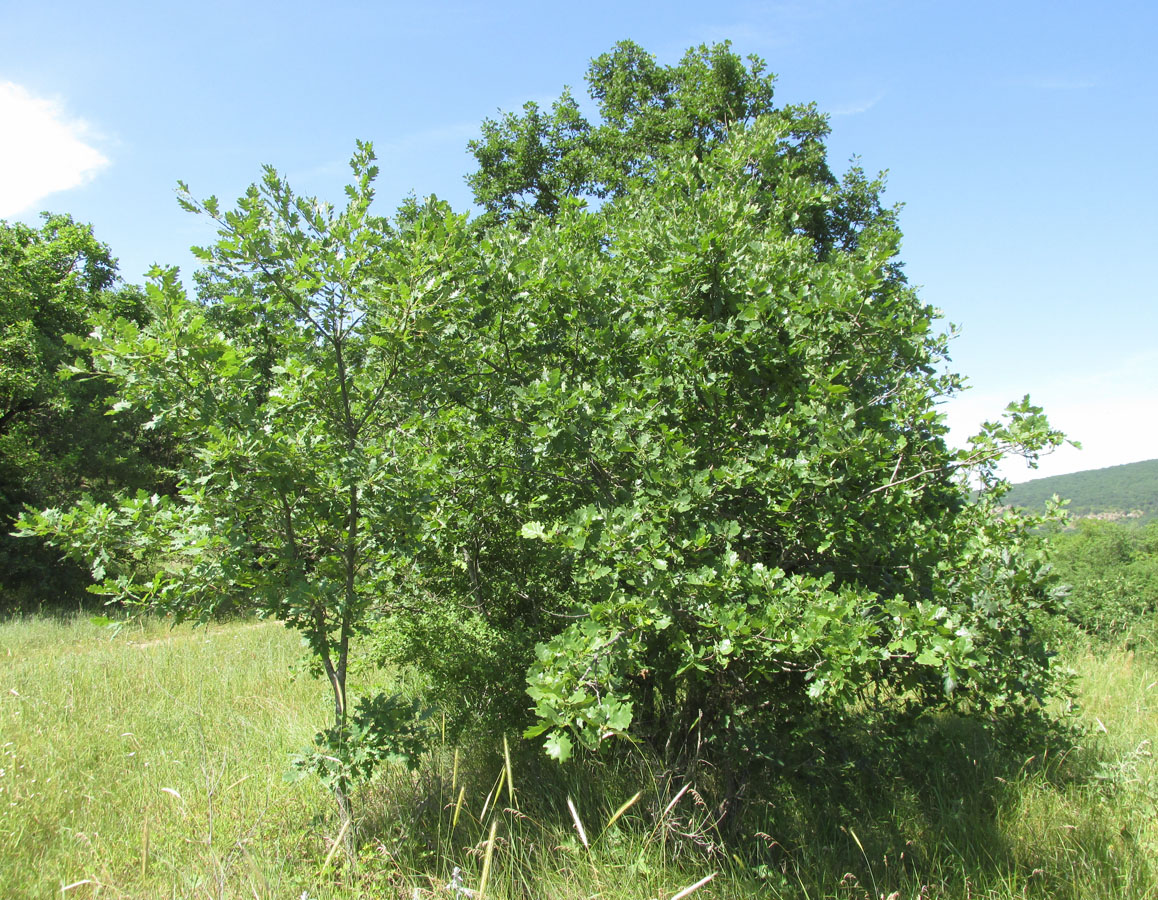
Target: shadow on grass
950 807
947 807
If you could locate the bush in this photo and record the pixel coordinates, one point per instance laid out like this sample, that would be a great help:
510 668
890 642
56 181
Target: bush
695 476
1111 572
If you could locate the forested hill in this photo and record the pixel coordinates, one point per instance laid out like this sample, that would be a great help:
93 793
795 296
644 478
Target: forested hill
1110 493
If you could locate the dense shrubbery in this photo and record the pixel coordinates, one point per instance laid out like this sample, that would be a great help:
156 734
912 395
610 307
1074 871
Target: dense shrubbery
1111 572
708 408
658 434
55 440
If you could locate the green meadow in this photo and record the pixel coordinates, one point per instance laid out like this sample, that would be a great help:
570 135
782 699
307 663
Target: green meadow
150 761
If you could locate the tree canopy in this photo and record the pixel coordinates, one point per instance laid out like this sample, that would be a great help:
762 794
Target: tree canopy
530 163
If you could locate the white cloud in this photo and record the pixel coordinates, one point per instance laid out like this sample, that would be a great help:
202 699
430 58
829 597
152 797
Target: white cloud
1044 82
42 150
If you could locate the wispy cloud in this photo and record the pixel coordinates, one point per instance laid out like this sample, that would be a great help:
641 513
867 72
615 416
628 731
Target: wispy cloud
857 107
762 25
456 132
410 143
43 150
1056 83
742 34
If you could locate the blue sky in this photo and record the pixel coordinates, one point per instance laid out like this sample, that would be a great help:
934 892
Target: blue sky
1020 136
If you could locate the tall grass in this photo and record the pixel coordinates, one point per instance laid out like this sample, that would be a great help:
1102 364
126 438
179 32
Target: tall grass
149 764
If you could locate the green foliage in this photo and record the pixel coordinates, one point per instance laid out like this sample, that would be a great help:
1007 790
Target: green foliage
296 390
675 460
381 729
533 162
1117 491
700 465
1111 573
55 441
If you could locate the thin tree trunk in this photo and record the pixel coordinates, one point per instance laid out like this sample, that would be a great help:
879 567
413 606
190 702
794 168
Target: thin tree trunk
337 678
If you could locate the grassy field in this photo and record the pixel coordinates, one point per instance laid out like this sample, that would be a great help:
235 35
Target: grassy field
150 763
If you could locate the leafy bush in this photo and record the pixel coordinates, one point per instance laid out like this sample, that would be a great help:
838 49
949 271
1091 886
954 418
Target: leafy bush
298 389
381 729
699 464
1111 571
674 458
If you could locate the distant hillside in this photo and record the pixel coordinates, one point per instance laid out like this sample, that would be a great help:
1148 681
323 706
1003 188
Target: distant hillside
1102 493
